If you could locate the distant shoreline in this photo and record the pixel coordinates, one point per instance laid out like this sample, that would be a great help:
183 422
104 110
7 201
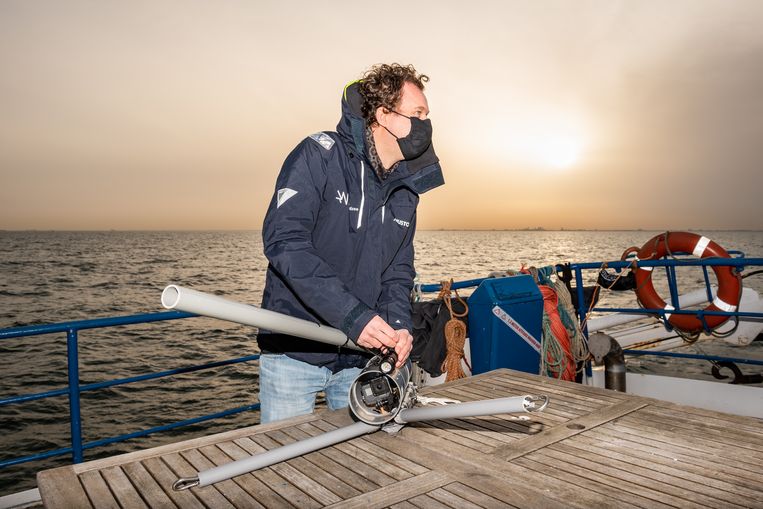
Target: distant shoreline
536 229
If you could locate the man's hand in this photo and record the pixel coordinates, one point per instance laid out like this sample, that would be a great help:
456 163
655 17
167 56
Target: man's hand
377 335
403 346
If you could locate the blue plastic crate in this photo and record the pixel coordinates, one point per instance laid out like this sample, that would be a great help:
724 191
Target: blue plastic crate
506 324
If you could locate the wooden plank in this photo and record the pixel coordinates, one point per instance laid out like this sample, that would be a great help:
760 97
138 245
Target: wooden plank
270 478
382 463
322 462
695 442
603 486
427 502
450 436
535 442
122 488
626 480
397 460
451 500
396 492
367 471
370 472
469 428
690 461
60 487
674 420
146 486
742 423
656 477
285 470
235 494
507 481
476 497
97 490
409 466
255 487
165 477
710 476
339 489
403 505
289 492
186 444
208 495
312 480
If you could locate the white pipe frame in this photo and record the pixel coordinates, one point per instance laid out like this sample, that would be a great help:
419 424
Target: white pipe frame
200 303
213 306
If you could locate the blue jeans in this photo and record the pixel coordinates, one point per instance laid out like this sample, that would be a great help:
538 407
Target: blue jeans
288 387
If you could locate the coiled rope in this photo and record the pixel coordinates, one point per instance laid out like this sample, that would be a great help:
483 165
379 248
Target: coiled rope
455 334
563 345
566 309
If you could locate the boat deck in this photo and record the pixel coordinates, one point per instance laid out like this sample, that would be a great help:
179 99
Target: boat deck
589 448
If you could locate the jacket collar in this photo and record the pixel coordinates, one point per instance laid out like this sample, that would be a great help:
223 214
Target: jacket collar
420 175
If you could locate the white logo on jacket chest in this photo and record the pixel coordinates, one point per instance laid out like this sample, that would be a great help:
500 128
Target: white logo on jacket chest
402 223
342 197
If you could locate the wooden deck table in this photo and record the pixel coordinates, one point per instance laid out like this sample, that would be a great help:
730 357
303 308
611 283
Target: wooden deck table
590 448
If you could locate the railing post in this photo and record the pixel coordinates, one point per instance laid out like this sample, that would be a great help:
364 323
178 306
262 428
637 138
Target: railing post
75 420
673 285
582 309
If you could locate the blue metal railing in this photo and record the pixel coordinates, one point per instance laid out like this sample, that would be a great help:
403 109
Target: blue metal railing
739 263
74 389
669 264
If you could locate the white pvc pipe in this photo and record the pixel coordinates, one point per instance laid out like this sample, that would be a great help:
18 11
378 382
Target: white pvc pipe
200 303
512 405
289 451
277 455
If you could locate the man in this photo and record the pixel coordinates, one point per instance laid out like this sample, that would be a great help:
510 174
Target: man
339 238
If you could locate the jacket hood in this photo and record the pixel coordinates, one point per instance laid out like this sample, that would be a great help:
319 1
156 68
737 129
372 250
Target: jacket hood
424 171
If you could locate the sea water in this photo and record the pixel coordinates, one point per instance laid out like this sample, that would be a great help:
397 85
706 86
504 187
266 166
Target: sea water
49 277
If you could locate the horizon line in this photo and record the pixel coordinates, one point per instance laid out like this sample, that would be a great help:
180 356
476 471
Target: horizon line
526 229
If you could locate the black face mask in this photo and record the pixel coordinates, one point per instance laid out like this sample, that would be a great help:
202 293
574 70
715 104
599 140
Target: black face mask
418 140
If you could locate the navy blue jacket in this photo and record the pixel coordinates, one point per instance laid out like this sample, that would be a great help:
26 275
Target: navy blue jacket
339 241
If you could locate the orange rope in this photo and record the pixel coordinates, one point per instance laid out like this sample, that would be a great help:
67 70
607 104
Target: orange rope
455 335
550 305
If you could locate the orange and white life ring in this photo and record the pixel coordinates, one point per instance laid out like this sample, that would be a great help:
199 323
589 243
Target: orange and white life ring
729 283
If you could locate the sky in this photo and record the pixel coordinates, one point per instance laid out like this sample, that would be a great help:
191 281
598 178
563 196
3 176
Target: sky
177 114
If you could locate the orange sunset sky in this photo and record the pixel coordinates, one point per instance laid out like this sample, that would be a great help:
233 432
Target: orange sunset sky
177 114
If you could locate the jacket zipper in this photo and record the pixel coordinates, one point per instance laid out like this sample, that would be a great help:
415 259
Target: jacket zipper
362 193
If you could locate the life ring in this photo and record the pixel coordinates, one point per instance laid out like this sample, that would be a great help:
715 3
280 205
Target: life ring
729 283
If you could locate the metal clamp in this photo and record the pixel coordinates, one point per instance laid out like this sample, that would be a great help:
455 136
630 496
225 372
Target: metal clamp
533 403
184 483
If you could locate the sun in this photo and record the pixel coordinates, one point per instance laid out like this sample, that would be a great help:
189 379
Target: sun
560 151
537 139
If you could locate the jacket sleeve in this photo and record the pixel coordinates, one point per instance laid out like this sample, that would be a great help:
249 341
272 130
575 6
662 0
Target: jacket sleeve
397 283
287 241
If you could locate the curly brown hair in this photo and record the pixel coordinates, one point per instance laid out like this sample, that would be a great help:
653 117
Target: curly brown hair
382 85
